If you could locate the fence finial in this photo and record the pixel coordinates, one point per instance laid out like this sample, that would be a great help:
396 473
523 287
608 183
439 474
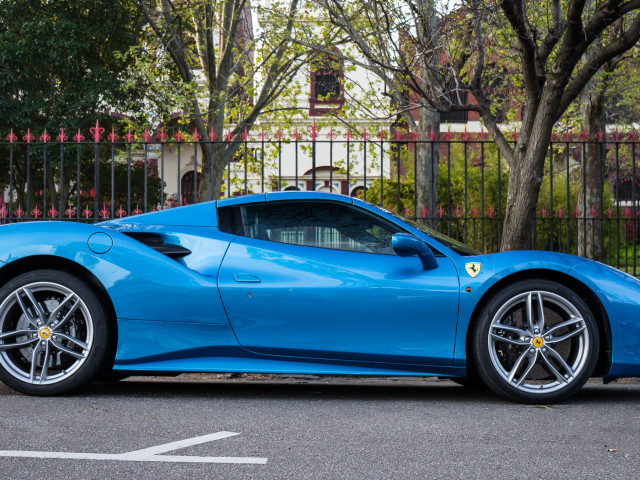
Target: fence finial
28 137
12 137
78 137
97 131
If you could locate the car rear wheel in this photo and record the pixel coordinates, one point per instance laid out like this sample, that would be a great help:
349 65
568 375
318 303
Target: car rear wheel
536 341
54 333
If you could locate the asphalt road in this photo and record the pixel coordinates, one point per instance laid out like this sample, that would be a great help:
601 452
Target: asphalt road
318 429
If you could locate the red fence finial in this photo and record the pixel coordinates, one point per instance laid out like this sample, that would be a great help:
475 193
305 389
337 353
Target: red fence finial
365 135
96 131
45 137
145 136
583 135
61 136
112 136
130 136
78 137
313 130
28 137
12 137
212 135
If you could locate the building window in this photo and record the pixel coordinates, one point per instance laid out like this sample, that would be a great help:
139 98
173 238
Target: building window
326 84
457 97
188 187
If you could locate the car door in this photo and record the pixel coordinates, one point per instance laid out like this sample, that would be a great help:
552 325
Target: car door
320 279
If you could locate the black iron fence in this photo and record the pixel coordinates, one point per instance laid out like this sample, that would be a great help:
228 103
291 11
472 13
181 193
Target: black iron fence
586 210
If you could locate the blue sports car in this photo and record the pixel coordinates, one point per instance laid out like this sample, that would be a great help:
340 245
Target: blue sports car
300 282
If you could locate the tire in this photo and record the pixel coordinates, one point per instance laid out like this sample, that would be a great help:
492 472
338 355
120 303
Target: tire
531 354
55 335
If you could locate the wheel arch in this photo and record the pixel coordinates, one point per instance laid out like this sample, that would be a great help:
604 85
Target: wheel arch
50 262
591 299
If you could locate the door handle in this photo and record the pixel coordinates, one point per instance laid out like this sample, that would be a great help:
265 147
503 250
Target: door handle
246 277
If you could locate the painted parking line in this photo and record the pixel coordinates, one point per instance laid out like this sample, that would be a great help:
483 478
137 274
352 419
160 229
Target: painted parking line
151 454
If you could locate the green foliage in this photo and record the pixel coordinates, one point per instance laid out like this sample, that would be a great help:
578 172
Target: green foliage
472 192
58 62
112 172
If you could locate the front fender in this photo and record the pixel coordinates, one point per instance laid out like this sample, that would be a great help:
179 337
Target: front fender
494 268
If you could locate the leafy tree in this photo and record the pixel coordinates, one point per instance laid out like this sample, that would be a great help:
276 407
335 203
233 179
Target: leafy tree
60 68
552 49
58 61
396 41
206 59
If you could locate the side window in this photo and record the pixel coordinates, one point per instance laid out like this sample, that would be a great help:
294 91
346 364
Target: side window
314 224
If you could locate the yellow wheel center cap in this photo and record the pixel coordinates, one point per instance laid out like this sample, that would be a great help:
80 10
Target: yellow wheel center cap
45 333
537 342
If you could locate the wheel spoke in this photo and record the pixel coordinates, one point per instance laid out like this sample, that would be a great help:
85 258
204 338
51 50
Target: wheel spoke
23 343
25 310
532 362
34 361
45 363
572 321
540 322
67 316
552 369
35 304
63 303
79 343
15 333
517 331
530 308
516 365
570 334
68 351
514 341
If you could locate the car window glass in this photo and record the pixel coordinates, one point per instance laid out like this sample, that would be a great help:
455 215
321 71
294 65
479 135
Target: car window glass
313 224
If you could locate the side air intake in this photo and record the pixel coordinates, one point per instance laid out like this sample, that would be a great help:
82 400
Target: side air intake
156 242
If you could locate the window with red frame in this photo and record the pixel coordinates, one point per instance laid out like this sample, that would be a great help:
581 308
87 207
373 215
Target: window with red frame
327 84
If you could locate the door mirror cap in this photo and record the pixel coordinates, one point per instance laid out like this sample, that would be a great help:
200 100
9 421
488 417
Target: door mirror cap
407 245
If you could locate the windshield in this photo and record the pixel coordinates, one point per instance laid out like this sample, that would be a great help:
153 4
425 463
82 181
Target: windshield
458 247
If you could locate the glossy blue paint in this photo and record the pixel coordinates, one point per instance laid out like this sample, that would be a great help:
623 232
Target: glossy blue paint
338 304
618 293
247 305
183 347
100 242
197 215
135 276
407 245
298 195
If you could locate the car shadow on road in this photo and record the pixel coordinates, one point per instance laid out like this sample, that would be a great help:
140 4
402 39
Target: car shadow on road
355 388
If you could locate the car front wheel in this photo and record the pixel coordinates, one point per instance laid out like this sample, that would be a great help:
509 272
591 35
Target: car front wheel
54 333
536 341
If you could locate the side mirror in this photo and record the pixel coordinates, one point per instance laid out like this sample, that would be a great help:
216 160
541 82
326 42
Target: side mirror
406 245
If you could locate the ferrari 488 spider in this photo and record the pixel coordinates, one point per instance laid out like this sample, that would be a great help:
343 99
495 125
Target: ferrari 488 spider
297 282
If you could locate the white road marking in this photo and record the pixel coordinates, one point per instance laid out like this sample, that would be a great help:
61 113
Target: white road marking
151 454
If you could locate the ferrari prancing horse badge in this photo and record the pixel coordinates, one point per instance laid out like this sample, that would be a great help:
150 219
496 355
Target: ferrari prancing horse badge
473 269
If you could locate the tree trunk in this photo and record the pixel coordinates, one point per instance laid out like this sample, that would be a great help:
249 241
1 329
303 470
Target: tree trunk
525 178
221 152
590 188
427 167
